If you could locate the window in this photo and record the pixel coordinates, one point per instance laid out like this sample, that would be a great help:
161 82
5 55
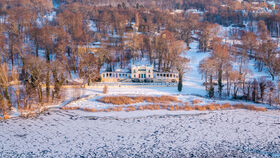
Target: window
157 74
139 76
134 76
103 75
149 76
113 75
134 71
167 75
149 71
144 75
163 75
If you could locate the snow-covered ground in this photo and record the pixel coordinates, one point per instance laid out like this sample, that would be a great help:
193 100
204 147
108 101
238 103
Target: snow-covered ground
186 96
57 133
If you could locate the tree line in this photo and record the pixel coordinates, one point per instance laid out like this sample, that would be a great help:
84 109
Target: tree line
227 72
45 46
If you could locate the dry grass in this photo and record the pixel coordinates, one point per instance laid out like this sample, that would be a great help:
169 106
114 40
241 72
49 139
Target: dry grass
260 109
108 110
130 108
90 109
119 108
225 106
196 101
165 107
105 89
162 102
156 107
171 108
6 117
140 108
239 106
70 108
126 100
188 108
211 107
120 100
249 107
200 108
100 110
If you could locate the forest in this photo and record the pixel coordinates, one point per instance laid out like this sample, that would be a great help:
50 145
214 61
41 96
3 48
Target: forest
44 44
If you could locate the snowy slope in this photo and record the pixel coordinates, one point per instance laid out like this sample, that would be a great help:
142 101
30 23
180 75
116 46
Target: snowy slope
193 84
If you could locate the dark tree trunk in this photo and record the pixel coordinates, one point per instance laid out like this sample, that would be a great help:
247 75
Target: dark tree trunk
180 84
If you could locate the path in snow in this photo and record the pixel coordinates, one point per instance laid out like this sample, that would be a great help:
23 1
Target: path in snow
193 84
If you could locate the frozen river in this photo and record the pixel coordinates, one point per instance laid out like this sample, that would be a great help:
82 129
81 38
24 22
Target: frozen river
58 133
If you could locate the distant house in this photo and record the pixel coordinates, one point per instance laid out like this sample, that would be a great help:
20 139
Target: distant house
139 74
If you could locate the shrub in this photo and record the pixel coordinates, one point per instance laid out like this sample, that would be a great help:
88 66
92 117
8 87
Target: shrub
105 89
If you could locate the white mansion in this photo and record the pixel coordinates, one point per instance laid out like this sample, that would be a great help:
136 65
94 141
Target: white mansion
139 74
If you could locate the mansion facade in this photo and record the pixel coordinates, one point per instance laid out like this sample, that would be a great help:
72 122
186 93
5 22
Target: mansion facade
139 74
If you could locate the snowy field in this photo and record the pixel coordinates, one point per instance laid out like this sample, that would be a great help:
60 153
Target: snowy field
57 133
91 101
